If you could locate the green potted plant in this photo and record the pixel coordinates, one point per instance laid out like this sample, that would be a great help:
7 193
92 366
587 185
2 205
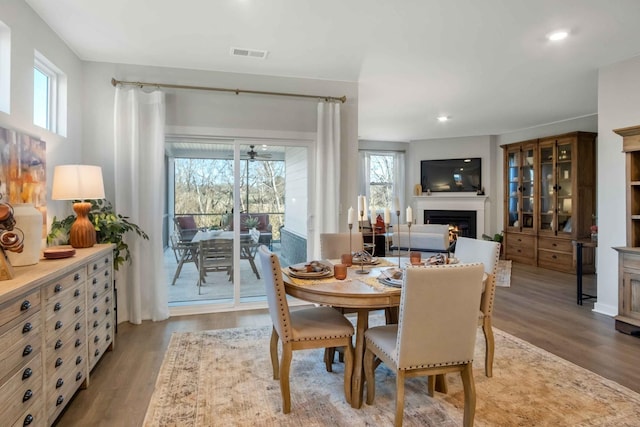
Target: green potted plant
251 222
110 228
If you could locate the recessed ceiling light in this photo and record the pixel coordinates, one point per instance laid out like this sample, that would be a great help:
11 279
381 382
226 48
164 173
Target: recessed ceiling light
558 35
443 118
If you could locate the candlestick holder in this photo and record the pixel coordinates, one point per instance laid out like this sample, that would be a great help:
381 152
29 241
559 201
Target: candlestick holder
386 239
409 245
373 237
350 247
361 227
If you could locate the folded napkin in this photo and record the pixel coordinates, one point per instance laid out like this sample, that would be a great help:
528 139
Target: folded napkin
392 275
310 267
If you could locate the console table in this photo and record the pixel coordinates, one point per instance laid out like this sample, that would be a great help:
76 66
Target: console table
56 322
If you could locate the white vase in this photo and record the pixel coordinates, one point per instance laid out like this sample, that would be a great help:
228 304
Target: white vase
29 220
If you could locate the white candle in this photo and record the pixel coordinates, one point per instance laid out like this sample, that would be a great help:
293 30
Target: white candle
364 207
350 215
373 215
396 205
360 207
387 216
409 214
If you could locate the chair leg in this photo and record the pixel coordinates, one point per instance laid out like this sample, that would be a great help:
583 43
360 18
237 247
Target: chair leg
490 346
399 397
348 370
369 376
469 395
273 347
329 354
441 383
431 385
285 364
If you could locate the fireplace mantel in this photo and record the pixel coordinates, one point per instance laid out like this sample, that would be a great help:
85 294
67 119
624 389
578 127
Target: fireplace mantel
452 201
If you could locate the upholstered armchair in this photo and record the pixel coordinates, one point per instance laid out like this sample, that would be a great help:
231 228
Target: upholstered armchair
333 245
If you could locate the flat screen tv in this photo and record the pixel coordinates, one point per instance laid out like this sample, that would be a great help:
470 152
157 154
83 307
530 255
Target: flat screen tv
451 175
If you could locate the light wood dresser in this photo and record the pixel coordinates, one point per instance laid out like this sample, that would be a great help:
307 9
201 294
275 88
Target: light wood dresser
57 319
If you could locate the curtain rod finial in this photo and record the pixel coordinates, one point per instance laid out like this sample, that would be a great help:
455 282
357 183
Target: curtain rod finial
343 98
114 82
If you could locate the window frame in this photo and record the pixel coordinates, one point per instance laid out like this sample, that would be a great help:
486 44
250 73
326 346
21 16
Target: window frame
5 68
56 102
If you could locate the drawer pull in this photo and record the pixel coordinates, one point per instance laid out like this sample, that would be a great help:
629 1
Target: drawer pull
27 395
108 338
78 343
78 376
27 327
554 257
58 344
58 325
95 266
57 307
554 244
26 305
96 339
95 324
95 295
94 281
108 312
27 420
106 285
107 299
58 362
27 374
78 309
78 360
106 273
59 383
77 328
57 288
27 350
76 293
59 400
106 260
108 326
97 353
95 310
76 277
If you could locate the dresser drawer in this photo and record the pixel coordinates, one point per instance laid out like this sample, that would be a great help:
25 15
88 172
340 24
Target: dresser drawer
56 325
96 267
21 389
101 281
65 283
18 308
560 245
101 310
32 416
65 350
99 341
21 344
556 261
58 305
61 389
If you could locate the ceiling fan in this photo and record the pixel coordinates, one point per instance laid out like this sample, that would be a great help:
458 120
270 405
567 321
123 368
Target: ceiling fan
253 154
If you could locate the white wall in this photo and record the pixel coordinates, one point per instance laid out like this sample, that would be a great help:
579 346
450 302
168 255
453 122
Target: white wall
29 32
618 107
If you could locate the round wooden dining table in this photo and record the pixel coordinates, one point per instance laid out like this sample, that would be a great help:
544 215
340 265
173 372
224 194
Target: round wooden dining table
357 292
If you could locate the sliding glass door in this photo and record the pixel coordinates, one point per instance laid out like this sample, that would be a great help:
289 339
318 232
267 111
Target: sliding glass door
226 198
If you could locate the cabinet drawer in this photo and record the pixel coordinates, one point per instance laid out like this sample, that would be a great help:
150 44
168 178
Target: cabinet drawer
104 262
58 305
19 308
520 240
20 344
101 310
560 245
32 416
65 283
99 341
631 261
100 282
58 396
56 325
65 350
556 261
22 389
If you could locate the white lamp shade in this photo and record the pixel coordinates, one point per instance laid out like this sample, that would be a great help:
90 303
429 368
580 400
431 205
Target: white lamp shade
77 182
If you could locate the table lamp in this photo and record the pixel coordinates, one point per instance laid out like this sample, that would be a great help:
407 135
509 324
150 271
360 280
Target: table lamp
79 182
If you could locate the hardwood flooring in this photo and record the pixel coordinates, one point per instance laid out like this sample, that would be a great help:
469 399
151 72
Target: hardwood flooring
539 307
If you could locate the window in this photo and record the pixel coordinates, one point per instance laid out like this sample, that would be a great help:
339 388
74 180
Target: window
382 177
5 68
49 95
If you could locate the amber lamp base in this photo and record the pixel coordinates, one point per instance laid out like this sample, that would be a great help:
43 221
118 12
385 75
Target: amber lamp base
82 233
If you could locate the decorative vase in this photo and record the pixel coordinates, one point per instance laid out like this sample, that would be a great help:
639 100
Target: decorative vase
29 220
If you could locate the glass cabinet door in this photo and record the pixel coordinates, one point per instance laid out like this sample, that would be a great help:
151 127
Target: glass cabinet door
521 186
563 187
547 221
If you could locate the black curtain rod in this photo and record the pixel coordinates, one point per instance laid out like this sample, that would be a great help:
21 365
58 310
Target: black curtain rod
115 82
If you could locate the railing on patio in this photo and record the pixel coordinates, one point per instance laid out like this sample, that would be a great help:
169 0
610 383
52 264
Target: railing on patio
208 220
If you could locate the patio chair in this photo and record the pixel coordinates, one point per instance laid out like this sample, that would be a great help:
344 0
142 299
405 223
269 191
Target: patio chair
214 255
186 227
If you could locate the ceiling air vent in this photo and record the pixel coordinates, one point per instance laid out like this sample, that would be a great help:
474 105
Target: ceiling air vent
248 53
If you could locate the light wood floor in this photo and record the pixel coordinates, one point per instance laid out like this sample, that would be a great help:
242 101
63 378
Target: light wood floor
539 307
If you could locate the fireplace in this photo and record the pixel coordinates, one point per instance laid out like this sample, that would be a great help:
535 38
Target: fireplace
464 221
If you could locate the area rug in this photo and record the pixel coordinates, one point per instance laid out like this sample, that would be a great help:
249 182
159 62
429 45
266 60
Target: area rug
224 378
503 273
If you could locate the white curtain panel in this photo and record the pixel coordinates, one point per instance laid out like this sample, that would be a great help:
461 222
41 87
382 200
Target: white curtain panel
139 121
399 184
327 196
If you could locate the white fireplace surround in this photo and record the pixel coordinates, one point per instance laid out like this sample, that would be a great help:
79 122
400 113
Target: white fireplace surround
452 202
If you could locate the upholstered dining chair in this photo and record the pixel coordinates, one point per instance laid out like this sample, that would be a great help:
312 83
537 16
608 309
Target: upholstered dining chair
488 253
333 245
316 327
435 334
